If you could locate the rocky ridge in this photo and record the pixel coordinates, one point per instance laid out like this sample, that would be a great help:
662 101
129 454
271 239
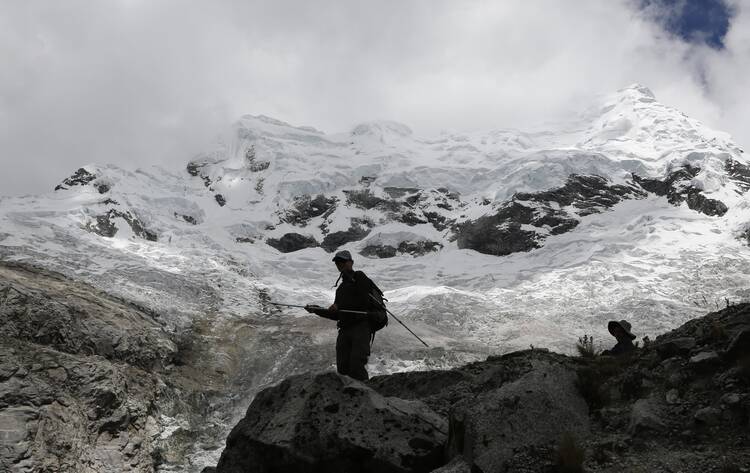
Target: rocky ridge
680 403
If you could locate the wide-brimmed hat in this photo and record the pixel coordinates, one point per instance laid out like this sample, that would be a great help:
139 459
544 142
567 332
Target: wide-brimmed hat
343 256
623 324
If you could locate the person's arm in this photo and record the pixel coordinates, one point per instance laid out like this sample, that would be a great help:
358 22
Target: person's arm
329 313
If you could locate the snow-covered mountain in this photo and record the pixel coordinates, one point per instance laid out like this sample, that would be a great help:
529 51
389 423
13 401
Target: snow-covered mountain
485 242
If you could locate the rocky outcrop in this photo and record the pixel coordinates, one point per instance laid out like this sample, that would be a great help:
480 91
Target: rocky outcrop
413 248
739 173
679 403
328 422
676 187
306 208
524 222
496 429
104 225
290 242
364 199
67 413
77 326
80 178
356 232
77 388
187 218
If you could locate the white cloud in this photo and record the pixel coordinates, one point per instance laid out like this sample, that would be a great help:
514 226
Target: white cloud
141 82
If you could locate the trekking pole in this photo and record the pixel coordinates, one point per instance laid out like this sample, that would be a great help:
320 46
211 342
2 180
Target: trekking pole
318 307
399 321
287 305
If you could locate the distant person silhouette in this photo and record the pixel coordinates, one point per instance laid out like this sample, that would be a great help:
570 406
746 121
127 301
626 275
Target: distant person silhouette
621 331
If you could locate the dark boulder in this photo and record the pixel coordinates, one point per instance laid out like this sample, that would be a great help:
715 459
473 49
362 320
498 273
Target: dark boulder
292 242
326 422
220 200
489 431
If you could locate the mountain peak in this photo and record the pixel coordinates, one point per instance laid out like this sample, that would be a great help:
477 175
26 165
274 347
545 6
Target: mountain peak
637 89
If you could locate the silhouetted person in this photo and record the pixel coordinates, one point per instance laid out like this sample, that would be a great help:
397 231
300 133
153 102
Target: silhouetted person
621 331
353 341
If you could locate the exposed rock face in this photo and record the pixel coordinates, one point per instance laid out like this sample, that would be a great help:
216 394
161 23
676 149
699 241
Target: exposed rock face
79 178
292 242
329 422
411 206
523 223
333 240
59 412
77 392
586 194
739 172
413 248
379 251
306 208
676 187
188 218
120 334
364 199
105 226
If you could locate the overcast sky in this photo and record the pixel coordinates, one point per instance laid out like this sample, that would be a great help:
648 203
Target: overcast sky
140 82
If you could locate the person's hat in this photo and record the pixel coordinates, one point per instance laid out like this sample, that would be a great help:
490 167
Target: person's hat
623 324
343 256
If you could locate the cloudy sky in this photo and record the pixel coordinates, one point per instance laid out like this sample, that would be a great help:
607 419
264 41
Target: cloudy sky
140 82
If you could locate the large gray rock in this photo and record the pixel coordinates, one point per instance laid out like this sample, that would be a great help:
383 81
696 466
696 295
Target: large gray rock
645 415
332 423
531 412
77 387
739 347
675 347
63 413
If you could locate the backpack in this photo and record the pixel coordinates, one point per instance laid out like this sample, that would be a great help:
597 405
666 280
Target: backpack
377 315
